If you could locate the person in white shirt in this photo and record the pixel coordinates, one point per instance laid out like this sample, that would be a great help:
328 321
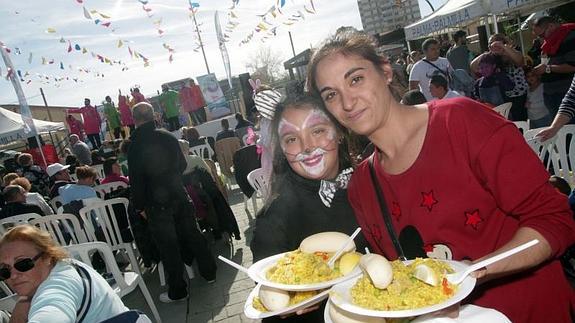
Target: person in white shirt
439 88
430 65
537 112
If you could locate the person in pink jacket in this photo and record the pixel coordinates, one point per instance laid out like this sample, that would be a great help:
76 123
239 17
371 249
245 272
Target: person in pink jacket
193 102
125 112
76 127
92 122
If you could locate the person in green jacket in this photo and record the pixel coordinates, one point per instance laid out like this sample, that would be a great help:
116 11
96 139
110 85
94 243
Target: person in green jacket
113 117
169 103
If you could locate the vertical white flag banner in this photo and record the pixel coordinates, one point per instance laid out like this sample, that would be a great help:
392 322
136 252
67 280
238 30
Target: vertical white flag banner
29 127
223 49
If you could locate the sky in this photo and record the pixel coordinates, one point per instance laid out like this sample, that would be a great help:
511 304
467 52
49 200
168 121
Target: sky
58 45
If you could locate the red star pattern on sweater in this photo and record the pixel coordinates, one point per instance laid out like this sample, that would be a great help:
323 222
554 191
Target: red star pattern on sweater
473 219
428 200
396 210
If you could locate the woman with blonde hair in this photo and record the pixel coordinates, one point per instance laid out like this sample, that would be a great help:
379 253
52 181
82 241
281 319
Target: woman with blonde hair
50 285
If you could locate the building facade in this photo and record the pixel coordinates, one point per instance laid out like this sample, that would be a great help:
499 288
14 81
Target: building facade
382 16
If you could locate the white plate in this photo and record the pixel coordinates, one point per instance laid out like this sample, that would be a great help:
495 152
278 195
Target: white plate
257 272
341 296
326 316
251 312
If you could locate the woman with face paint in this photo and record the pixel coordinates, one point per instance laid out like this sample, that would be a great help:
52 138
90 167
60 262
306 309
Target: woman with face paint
311 169
457 179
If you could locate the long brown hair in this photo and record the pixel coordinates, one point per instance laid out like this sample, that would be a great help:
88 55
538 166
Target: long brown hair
349 41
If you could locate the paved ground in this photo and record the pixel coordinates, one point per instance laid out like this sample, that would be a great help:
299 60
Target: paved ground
222 301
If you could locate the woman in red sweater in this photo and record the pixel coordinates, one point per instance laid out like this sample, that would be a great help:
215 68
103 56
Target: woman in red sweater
459 182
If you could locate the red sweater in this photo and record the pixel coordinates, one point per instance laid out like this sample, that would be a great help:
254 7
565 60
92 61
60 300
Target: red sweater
474 183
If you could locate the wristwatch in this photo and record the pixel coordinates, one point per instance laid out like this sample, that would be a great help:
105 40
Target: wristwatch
547 69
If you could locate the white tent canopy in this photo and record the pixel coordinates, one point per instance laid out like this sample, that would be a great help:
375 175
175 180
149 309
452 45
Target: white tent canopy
452 14
455 13
12 126
523 7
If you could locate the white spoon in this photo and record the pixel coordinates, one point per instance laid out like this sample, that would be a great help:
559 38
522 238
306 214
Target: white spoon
233 264
332 260
457 277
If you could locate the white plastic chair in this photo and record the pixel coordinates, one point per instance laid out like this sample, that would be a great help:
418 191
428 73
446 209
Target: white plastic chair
104 189
61 227
56 202
562 160
200 151
544 150
105 217
523 126
12 221
9 302
126 282
259 182
99 170
504 109
74 177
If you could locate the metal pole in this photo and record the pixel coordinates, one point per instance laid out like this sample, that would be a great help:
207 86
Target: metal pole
46 105
200 39
520 35
291 42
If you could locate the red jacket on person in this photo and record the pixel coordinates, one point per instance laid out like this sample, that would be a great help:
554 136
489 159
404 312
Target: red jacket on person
91 118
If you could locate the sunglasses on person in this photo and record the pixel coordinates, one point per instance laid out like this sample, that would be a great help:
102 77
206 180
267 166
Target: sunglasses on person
22 265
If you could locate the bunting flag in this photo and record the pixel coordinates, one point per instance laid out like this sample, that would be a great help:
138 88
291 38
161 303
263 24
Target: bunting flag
171 58
120 43
30 58
84 50
69 47
143 1
62 40
50 30
61 65
43 60
87 14
106 24
29 127
77 47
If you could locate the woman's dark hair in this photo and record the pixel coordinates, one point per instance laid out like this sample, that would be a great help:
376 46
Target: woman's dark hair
413 97
348 42
124 146
280 163
108 163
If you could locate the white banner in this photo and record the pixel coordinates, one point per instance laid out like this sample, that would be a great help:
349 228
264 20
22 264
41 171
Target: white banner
453 14
215 99
29 127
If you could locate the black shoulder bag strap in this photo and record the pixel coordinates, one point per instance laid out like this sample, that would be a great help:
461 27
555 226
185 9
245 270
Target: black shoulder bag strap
87 297
445 73
385 210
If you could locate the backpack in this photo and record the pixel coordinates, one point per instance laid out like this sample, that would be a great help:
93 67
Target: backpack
459 80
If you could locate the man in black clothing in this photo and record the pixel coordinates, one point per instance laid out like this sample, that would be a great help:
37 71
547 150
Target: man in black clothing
226 132
15 197
156 167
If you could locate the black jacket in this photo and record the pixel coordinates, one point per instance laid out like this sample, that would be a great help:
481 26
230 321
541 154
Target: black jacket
16 208
298 213
156 167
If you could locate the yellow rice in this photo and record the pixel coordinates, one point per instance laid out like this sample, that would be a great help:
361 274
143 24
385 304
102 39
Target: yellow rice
405 291
298 268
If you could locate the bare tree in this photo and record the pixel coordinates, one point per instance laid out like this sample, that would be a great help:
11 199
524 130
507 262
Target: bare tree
266 64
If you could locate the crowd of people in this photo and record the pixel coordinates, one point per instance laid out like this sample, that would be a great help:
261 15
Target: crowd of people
174 105
426 172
